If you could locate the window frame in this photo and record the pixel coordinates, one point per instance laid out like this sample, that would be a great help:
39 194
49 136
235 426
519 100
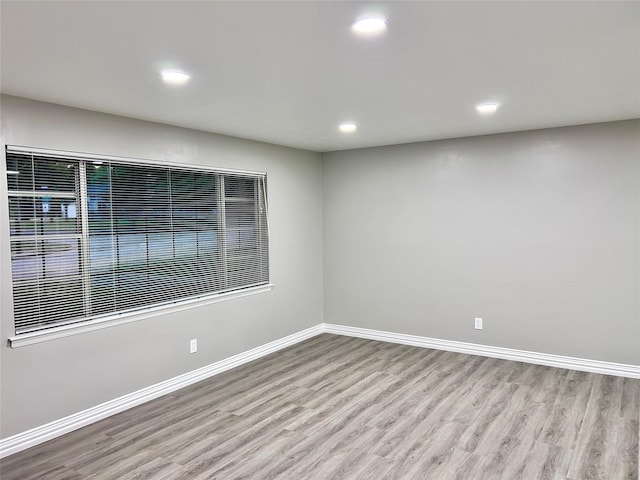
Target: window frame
150 310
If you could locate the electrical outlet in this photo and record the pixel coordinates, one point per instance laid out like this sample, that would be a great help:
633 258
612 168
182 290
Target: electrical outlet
193 345
478 323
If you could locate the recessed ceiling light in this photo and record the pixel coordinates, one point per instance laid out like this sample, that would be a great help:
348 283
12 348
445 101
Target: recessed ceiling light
369 25
174 77
487 108
347 127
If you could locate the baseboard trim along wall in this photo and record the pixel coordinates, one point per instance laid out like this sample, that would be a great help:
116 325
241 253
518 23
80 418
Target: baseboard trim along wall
35 436
572 363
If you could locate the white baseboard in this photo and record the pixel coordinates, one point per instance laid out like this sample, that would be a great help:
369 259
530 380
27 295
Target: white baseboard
35 436
572 363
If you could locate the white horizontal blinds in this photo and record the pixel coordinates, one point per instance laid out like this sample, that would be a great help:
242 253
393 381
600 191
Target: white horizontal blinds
195 215
246 239
150 235
45 236
129 215
153 236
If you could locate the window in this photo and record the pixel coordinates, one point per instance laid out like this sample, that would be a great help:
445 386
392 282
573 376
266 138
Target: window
92 237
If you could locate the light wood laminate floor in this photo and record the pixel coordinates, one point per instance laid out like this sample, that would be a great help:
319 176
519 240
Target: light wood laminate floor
336 407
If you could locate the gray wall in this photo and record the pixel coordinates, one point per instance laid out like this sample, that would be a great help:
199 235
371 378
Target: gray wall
535 232
47 381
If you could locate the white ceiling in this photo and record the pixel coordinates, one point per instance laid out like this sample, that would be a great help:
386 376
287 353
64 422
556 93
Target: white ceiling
290 72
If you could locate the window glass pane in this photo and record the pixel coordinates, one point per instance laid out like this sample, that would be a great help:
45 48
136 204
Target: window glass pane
184 201
102 253
99 198
208 243
47 304
54 175
132 250
44 259
194 200
160 247
22 216
239 241
103 293
131 288
241 215
42 174
239 187
206 189
26 264
61 300
61 257
59 215
48 215
19 172
140 197
184 244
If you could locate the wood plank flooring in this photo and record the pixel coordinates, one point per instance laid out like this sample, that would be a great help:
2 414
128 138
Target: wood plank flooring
336 407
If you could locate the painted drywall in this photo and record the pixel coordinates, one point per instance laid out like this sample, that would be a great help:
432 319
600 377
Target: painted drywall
535 232
44 382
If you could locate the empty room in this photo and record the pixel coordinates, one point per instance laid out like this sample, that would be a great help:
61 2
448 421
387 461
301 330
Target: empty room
319 240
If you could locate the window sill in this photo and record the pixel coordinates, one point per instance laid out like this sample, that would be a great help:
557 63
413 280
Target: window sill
92 325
